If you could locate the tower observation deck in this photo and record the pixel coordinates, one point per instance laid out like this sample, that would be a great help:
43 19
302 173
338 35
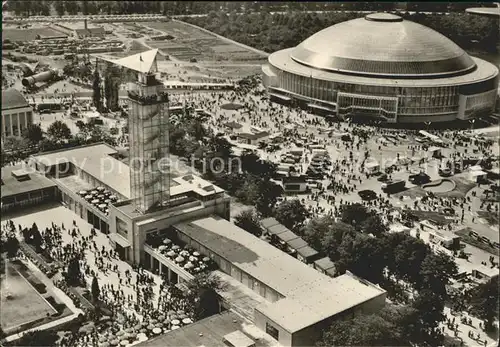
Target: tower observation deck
148 134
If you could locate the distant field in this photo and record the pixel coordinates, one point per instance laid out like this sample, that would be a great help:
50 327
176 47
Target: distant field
25 304
136 47
28 34
191 43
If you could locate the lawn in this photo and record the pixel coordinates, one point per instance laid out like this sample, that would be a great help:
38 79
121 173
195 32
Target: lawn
191 42
462 186
27 34
466 238
490 217
137 47
20 302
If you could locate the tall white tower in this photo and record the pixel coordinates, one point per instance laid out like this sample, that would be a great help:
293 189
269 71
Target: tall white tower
148 134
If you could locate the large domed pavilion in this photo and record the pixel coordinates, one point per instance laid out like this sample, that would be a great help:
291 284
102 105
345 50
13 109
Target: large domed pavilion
384 67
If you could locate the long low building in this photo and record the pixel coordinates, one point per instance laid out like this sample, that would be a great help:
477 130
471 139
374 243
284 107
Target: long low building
385 68
300 301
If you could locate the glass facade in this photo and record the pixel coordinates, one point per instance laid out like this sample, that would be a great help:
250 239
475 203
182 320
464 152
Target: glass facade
148 140
389 101
480 103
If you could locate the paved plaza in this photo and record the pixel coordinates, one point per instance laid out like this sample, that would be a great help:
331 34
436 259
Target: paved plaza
60 215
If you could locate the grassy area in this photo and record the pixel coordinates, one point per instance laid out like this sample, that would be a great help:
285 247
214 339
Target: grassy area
490 217
137 47
27 34
462 187
466 238
189 42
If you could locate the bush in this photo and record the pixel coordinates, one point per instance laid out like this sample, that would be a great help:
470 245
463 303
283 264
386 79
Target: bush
40 287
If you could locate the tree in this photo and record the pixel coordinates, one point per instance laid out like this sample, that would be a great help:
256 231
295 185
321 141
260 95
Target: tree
292 214
406 257
202 295
14 143
59 7
59 131
34 237
361 330
38 338
96 88
33 133
11 246
316 230
436 271
249 221
95 289
267 196
484 300
222 147
374 225
429 313
72 7
363 255
354 214
334 237
74 275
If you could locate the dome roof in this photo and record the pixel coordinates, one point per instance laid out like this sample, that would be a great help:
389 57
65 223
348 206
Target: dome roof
383 44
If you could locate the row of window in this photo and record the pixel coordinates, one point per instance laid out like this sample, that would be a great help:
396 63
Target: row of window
481 100
412 100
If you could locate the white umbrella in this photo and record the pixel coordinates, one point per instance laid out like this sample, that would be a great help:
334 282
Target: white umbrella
188 265
184 253
174 327
124 343
82 192
142 337
187 321
162 248
196 254
167 241
191 258
175 247
176 322
157 331
179 259
170 253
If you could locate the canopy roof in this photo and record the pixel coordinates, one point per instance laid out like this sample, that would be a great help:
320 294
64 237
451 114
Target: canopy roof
141 62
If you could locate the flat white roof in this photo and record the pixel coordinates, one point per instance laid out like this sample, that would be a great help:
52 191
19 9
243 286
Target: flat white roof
192 183
310 296
96 161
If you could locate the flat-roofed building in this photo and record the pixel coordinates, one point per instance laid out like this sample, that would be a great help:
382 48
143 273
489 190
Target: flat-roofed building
22 187
17 114
222 330
300 301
